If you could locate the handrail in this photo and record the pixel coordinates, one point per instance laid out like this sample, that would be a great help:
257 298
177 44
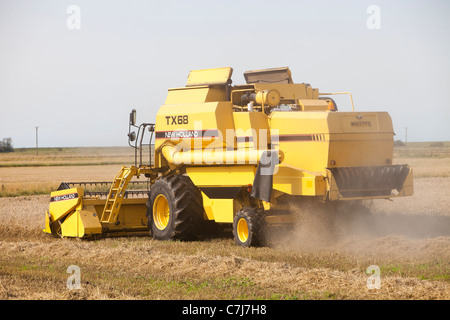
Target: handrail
139 137
332 93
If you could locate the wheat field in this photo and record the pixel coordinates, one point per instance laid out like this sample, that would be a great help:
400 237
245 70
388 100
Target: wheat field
408 239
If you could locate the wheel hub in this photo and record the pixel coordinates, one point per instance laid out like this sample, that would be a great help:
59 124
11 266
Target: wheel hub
161 212
242 230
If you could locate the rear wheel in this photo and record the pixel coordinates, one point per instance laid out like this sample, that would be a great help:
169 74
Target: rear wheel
175 209
249 227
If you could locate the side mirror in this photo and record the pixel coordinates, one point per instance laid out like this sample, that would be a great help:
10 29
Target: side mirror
133 117
132 136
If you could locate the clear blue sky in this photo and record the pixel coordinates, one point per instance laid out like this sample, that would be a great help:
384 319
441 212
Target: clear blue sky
79 85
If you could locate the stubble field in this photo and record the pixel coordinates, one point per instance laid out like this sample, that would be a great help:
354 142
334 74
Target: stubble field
408 239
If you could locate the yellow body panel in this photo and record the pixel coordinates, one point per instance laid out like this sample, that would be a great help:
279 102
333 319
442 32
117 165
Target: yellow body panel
296 182
220 210
216 76
81 223
47 228
131 217
313 105
311 140
302 136
290 91
251 130
223 210
64 201
218 176
194 125
408 186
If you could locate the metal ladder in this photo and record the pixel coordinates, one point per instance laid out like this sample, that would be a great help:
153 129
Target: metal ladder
116 194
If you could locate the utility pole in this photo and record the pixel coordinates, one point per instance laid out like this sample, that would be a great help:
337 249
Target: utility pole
406 136
37 148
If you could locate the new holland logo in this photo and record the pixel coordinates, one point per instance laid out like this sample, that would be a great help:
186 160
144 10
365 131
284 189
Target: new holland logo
187 134
63 197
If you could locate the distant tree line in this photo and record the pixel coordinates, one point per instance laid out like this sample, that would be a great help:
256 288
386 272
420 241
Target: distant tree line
437 144
6 145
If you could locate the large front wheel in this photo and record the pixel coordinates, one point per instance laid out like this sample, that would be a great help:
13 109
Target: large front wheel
174 209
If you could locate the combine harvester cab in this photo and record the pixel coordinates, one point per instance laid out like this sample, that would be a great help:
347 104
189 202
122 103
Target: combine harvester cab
238 156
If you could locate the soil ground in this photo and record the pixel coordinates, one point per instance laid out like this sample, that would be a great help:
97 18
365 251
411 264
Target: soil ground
408 239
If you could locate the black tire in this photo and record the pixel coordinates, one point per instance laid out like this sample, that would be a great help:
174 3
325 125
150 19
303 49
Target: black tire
184 209
253 220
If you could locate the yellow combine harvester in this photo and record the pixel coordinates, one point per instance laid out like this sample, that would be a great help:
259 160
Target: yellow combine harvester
239 156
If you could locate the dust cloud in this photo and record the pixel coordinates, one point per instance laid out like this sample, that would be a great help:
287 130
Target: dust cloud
366 228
